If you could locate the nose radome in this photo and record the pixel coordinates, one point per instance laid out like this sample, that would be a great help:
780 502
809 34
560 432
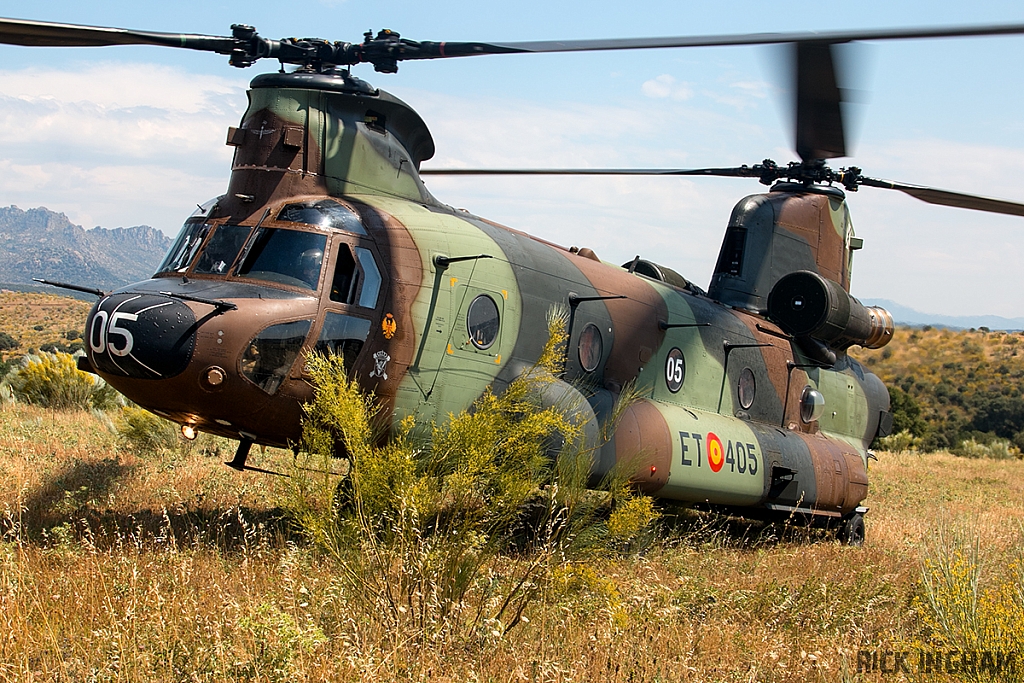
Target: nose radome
143 336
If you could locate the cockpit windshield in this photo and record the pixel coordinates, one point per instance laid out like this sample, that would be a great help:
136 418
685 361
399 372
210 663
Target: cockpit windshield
325 213
222 249
184 248
288 257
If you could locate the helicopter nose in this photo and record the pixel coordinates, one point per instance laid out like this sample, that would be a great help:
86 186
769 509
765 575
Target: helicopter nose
142 336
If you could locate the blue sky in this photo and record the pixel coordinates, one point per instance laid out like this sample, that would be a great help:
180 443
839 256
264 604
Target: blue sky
128 136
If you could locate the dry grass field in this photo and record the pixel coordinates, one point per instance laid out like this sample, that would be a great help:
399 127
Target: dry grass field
117 566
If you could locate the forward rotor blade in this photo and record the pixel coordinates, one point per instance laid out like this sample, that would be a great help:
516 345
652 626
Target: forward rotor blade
819 116
948 198
454 49
46 34
388 48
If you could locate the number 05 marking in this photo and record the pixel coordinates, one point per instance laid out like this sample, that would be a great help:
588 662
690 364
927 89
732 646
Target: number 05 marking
105 329
675 370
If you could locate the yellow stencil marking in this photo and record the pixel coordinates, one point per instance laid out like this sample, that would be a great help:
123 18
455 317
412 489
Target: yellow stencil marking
497 360
454 280
504 293
449 348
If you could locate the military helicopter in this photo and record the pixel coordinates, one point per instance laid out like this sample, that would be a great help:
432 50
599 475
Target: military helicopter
327 239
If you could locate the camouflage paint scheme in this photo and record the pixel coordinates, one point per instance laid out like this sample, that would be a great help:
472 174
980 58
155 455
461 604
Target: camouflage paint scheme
306 138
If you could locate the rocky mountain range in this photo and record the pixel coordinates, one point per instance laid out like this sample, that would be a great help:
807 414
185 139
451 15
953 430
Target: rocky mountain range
904 315
39 243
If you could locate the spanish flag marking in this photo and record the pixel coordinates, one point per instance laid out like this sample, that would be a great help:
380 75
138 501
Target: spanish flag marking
716 454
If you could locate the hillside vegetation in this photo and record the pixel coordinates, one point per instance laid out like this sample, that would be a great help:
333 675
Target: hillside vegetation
33 322
949 386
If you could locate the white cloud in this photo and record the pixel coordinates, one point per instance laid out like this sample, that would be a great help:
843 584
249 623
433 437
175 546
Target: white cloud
756 89
116 85
115 144
939 259
666 87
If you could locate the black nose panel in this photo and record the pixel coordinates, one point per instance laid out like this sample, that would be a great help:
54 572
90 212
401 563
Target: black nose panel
141 335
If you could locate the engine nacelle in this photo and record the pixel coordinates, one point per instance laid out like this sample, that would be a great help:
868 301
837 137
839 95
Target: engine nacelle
805 304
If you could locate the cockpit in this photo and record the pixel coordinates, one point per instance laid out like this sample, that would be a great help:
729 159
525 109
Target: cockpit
232 309
292 256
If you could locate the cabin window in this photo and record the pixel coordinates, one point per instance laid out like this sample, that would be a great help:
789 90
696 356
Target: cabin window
222 249
325 213
286 257
812 404
746 388
342 335
482 320
271 353
184 248
591 347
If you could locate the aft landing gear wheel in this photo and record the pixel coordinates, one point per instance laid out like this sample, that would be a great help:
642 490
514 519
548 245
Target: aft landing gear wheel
851 532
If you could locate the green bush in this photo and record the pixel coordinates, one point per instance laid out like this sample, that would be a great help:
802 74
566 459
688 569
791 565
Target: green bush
996 448
53 380
900 442
457 525
72 348
142 432
7 342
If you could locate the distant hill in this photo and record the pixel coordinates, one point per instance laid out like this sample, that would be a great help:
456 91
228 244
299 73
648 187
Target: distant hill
908 316
44 244
42 321
953 383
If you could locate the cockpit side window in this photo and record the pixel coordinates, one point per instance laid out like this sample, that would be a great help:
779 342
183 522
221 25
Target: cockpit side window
343 335
184 248
222 249
346 278
357 281
287 257
325 213
371 278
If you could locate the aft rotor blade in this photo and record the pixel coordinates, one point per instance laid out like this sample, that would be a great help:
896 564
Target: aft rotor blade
736 172
47 34
819 116
948 198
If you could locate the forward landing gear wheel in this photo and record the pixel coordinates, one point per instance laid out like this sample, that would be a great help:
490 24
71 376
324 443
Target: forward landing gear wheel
852 530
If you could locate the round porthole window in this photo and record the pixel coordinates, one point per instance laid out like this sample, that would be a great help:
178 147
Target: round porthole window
812 404
591 347
482 321
746 388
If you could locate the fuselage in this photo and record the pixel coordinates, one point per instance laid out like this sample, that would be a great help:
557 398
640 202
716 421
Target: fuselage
328 241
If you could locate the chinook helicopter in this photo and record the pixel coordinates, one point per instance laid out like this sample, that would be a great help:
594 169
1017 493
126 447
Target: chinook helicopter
327 240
